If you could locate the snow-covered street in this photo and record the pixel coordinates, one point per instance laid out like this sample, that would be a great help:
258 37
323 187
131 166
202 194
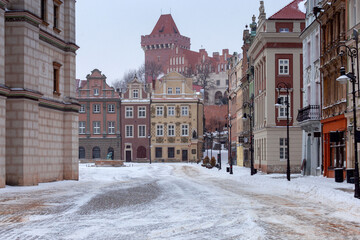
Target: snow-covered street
180 201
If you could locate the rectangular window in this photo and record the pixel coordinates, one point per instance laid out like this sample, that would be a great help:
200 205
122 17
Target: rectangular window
56 78
96 92
171 152
135 93
283 109
142 112
129 131
111 127
217 82
171 130
96 108
184 130
284 30
159 111
184 111
141 131
170 90
82 108
284 66
111 108
177 90
283 149
158 152
160 130
43 10
227 82
96 127
171 111
56 16
128 112
82 127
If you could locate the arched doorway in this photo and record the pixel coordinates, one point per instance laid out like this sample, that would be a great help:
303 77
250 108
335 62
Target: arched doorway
110 156
96 152
141 152
218 98
81 152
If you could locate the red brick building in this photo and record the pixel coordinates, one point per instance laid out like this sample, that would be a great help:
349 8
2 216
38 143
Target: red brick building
135 122
167 47
99 118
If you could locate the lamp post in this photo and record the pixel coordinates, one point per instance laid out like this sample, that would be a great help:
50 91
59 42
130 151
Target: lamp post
211 142
220 146
352 52
149 137
245 117
280 103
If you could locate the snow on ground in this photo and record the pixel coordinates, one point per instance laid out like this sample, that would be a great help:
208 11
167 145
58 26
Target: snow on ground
180 201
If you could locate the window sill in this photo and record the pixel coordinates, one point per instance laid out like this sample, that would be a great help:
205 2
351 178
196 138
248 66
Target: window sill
45 23
56 30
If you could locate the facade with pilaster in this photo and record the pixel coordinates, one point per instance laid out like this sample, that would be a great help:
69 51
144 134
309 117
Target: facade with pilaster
38 110
276 55
176 120
99 119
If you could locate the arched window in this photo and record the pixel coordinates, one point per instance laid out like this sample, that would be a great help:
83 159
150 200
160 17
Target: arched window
141 152
110 154
96 152
81 152
218 98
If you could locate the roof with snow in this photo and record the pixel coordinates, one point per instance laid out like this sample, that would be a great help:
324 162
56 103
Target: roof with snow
165 25
292 11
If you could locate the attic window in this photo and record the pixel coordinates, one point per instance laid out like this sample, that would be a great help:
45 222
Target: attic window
162 29
175 31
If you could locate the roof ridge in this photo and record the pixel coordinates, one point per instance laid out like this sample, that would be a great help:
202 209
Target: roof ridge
287 6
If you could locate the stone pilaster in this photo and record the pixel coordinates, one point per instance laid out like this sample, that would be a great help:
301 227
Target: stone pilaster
71 144
2 98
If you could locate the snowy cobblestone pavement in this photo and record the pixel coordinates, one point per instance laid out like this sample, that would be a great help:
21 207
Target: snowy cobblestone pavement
180 201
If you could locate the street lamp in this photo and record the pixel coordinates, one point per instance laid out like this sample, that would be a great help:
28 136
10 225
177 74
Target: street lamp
352 52
245 117
211 142
219 158
281 103
149 137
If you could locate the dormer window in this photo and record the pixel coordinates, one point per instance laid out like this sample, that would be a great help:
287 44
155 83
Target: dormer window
177 90
135 93
96 92
170 90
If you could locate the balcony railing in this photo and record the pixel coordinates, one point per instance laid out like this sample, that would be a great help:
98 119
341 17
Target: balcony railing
311 112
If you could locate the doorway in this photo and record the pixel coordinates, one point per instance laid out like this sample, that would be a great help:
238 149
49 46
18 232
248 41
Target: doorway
128 156
184 155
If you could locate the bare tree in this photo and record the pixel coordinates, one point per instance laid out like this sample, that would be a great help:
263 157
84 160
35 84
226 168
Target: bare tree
152 70
128 77
202 76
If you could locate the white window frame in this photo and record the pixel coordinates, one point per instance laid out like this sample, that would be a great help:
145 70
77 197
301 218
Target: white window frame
160 130
159 111
171 132
139 131
184 130
184 111
284 65
96 92
96 108
129 112
171 109
82 108
96 127
283 149
129 131
170 90
135 93
178 90
111 108
282 109
142 110
111 127
82 127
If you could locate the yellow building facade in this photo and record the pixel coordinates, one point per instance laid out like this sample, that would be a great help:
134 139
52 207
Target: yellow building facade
176 120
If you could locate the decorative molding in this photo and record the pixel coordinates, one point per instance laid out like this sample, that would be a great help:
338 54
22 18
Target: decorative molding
22 16
56 42
3 4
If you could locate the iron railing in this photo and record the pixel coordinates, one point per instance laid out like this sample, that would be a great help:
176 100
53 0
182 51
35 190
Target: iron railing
311 112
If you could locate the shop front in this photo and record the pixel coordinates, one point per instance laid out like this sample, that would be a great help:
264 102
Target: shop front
334 145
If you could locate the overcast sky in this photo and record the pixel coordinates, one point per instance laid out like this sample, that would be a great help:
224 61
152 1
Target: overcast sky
109 31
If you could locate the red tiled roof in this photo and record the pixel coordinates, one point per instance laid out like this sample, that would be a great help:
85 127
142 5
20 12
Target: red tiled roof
165 25
197 88
290 11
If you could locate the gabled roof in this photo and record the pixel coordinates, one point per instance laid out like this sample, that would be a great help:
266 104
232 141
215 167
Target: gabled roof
165 25
290 12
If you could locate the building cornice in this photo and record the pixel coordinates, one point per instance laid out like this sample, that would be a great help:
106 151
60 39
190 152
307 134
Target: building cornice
57 42
22 16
